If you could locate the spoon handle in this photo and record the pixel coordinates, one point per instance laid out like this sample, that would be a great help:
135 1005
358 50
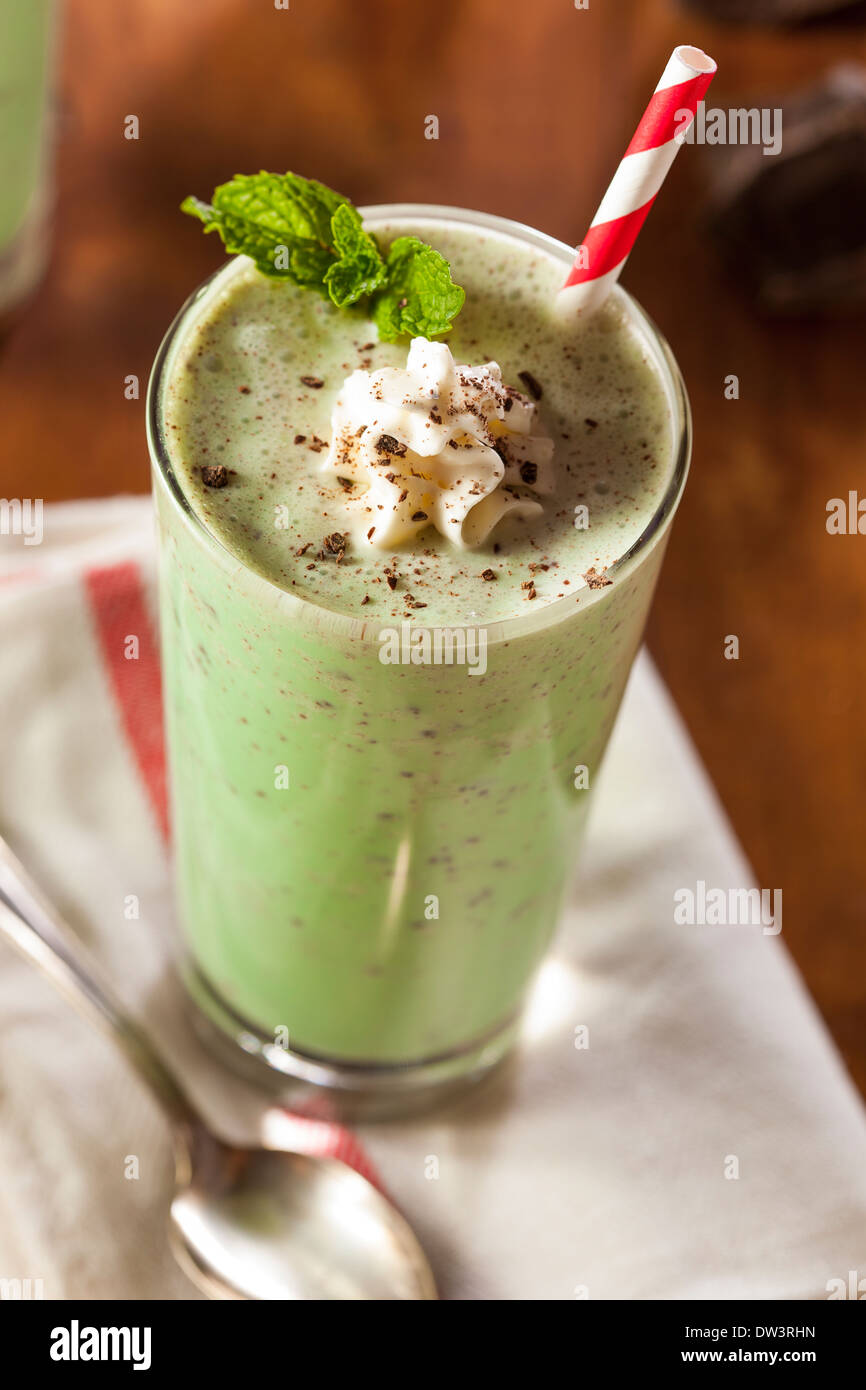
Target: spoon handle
31 924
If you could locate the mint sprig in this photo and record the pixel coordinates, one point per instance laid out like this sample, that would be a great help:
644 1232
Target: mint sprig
298 230
420 298
360 269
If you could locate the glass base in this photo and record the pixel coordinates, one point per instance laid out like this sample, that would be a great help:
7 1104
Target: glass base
327 1089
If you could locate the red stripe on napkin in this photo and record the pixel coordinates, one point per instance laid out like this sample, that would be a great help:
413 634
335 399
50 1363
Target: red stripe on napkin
120 614
321 1138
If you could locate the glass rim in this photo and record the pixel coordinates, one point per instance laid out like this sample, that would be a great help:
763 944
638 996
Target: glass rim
502 629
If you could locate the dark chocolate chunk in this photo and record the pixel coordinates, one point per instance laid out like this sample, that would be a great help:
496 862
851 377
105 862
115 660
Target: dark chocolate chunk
532 384
595 579
387 444
214 475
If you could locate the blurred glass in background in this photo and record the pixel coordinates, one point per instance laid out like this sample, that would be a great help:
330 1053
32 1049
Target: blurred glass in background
27 48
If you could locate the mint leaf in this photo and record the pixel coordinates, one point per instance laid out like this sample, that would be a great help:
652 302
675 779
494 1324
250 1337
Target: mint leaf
420 299
360 269
298 230
307 266
282 221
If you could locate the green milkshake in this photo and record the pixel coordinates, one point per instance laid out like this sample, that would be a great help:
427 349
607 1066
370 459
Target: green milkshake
382 754
26 50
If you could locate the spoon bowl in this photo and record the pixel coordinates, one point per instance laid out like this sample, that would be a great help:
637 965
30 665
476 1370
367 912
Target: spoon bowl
261 1224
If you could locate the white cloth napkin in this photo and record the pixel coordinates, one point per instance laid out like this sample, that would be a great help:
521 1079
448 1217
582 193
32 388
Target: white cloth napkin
601 1172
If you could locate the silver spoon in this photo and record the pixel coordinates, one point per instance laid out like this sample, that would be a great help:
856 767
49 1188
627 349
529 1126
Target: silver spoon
252 1223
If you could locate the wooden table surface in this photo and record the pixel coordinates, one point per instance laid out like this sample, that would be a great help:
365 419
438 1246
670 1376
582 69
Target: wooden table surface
535 105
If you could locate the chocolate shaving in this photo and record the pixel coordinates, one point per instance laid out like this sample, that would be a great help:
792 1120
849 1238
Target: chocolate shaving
387 444
488 574
529 472
315 383
214 475
532 384
596 580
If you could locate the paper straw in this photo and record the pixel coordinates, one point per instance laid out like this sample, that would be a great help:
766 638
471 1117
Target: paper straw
654 146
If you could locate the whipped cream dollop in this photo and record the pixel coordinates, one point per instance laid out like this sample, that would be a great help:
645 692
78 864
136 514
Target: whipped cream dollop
436 444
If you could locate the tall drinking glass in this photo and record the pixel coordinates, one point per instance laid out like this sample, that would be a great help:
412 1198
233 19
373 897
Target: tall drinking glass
372 924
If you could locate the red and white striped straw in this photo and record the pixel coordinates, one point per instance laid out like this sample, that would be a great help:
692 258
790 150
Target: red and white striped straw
605 248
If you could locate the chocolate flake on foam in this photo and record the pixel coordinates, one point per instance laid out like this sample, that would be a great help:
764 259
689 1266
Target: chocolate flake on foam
214 475
387 444
532 384
596 579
